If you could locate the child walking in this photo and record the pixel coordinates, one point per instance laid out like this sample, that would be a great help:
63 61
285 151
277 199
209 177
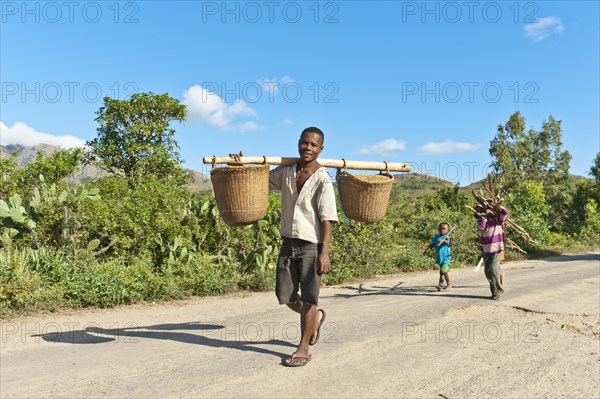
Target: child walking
442 244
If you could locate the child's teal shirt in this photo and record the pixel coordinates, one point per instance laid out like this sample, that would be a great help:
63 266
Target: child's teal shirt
442 251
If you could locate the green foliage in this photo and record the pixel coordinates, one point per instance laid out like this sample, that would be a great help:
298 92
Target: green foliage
55 168
21 286
8 169
48 279
585 191
530 210
360 249
419 218
134 137
410 258
595 168
590 230
452 198
520 156
15 220
260 242
131 218
58 213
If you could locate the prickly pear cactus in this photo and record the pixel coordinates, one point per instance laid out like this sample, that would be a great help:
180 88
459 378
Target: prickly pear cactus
14 219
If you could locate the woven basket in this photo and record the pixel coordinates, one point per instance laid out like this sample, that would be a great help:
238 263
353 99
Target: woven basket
242 193
364 198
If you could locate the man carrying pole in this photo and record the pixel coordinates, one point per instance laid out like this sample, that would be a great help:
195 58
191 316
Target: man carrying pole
308 210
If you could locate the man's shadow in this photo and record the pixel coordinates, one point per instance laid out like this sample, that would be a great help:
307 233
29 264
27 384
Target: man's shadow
193 333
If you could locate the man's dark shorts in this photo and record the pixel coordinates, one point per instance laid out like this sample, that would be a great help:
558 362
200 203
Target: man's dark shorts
297 268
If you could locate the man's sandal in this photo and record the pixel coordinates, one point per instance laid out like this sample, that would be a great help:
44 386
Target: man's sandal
317 331
297 360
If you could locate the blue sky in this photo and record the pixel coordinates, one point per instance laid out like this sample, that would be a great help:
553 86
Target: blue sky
402 81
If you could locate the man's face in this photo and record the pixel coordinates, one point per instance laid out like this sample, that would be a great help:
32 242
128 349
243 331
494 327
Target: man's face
310 146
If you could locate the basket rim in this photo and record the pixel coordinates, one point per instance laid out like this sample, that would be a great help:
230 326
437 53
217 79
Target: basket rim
238 168
356 179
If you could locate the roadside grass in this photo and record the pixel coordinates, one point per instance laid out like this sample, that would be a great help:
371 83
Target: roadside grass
34 281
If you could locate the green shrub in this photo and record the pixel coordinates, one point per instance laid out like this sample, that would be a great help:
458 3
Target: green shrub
22 287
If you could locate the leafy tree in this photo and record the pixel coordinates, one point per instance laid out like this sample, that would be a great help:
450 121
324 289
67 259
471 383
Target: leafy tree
520 155
595 169
135 138
530 209
8 167
591 226
587 194
452 198
54 167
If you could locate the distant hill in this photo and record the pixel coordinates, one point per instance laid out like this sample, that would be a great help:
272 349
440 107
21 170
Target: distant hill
201 182
27 154
420 182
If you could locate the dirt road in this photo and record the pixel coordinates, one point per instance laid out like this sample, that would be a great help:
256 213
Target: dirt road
387 338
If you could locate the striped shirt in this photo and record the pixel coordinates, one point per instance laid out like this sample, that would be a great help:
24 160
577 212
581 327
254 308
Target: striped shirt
492 235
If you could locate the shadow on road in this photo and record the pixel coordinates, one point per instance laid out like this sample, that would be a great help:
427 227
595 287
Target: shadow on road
570 258
212 335
410 291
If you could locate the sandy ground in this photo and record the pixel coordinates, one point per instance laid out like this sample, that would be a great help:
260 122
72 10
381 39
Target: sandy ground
385 338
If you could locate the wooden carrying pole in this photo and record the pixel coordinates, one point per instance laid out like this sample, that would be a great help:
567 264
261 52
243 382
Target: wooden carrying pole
328 163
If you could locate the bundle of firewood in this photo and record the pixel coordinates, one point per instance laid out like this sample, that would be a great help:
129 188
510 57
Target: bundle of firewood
491 207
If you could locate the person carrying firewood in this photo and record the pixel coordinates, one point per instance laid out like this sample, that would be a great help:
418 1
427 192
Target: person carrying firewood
491 234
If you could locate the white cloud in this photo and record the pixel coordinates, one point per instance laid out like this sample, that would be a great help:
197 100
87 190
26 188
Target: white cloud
383 148
25 135
246 126
448 147
543 28
271 86
284 122
207 106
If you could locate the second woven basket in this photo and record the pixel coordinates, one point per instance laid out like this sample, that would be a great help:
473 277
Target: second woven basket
364 198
